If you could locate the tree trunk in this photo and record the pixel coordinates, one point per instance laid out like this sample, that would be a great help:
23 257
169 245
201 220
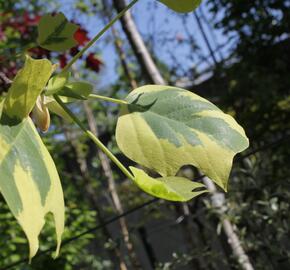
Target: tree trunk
218 201
149 68
106 166
122 56
92 198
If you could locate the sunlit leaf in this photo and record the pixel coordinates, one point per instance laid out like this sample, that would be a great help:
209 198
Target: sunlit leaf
182 5
29 181
56 33
164 128
169 188
26 87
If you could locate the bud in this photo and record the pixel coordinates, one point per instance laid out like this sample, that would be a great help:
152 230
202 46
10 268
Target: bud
41 115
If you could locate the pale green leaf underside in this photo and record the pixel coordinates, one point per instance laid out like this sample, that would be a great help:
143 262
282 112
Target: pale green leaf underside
182 5
55 33
169 188
76 90
56 83
164 128
55 108
26 87
29 181
70 92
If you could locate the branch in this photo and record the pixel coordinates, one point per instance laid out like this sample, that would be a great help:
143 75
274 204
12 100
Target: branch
4 78
136 41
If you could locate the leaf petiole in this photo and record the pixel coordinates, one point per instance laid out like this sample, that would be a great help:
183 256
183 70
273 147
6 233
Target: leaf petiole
92 41
94 138
113 100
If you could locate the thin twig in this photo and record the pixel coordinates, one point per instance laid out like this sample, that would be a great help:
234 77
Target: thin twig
4 78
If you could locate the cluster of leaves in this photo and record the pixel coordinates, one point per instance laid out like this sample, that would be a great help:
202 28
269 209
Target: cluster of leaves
18 31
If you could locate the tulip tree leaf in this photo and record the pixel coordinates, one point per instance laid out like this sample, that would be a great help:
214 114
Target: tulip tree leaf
26 87
29 181
164 128
182 6
56 33
169 188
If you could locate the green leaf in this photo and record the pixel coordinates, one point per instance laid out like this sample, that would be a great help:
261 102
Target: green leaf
56 83
164 128
26 87
56 33
29 181
182 5
76 90
169 188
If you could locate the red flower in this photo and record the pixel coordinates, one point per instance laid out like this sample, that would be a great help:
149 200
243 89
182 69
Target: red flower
73 51
93 62
31 20
62 60
81 36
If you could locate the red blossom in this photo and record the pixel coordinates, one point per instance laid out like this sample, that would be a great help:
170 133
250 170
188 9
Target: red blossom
62 60
74 50
31 20
93 62
81 36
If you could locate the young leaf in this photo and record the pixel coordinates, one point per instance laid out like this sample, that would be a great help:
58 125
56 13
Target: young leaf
164 128
26 87
169 188
56 83
182 5
56 33
76 90
29 181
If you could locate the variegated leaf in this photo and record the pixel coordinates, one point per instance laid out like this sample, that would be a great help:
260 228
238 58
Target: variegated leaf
182 5
171 188
29 181
164 128
26 87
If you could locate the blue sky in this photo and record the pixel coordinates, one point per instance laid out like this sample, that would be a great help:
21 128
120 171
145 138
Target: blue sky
153 17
